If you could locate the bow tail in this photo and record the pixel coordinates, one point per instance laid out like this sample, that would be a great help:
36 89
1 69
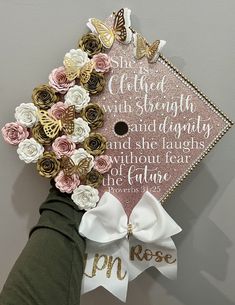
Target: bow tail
106 266
162 255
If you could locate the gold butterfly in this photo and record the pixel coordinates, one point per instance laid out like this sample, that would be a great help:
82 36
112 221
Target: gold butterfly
52 126
120 29
143 48
70 168
73 72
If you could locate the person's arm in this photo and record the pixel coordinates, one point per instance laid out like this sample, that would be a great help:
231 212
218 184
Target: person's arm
49 270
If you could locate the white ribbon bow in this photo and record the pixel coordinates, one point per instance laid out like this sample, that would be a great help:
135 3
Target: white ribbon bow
112 258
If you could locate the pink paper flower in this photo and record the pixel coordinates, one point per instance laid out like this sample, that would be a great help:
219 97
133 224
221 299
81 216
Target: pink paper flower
63 146
66 184
102 62
14 133
102 163
59 81
57 110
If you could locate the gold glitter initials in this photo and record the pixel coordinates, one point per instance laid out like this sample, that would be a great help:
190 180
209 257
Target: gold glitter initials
102 262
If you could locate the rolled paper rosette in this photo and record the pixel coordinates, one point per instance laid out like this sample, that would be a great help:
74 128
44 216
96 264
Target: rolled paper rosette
58 130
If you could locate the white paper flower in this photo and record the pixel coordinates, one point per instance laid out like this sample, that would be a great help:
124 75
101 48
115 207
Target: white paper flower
30 150
78 56
77 96
26 114
80 154
81 130
86 197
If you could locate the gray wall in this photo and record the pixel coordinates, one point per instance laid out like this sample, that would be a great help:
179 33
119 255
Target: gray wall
34 38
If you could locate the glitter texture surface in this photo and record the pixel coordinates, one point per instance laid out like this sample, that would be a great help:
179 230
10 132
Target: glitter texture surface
171 126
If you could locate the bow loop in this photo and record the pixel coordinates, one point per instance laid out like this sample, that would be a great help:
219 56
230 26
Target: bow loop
151 221
105 223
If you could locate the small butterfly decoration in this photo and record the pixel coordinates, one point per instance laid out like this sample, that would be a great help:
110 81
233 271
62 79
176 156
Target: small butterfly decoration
120 30
70 168
143 48
73 72
52 126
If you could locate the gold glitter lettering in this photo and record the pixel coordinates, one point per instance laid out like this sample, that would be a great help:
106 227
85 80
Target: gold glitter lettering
111 263
137 252
96 261
168 257
103 261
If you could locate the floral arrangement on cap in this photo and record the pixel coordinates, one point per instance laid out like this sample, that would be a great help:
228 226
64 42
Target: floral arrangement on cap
58 129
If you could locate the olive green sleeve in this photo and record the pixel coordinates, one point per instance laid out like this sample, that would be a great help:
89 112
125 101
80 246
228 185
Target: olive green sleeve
49 269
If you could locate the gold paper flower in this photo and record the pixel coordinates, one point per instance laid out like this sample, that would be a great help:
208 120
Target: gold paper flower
94 115
39 135
91 44
94 178
95 84
44 97
48 166
95 144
